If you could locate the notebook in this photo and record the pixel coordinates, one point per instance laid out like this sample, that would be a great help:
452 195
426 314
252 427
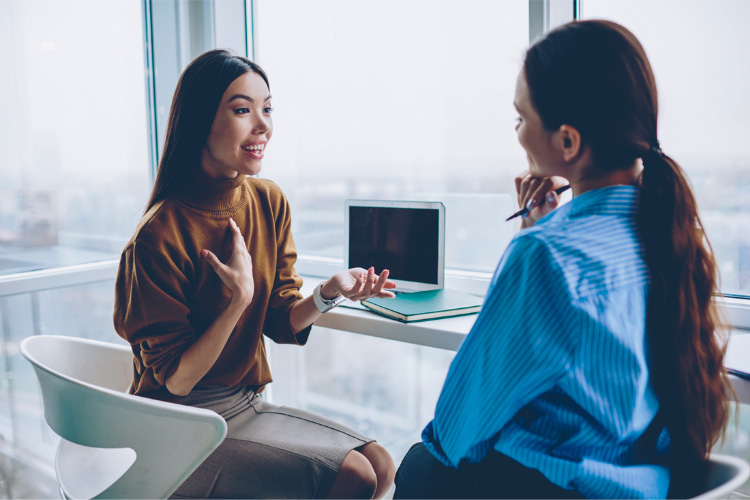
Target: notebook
421 306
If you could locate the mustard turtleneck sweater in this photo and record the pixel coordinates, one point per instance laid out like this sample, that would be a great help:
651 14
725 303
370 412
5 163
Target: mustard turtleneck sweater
166 294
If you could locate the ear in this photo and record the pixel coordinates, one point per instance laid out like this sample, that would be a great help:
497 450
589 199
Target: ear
569 142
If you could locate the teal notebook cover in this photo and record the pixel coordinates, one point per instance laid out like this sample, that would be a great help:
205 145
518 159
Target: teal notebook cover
420 306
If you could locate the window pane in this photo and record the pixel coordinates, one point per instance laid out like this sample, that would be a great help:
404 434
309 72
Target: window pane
697 49
74 163
396 99
27 444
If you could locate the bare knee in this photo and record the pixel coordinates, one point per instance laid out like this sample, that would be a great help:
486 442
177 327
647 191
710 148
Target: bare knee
382 464
356 478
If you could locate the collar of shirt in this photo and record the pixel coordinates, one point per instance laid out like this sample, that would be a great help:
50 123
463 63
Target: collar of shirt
611 200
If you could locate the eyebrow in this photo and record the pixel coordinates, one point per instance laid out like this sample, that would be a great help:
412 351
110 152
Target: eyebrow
247 98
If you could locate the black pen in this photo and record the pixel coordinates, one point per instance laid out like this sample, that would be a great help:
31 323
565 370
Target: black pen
524 211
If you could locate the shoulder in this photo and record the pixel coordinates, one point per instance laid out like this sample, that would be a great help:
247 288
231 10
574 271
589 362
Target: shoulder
529 259
158 227
530 268
532 248
268 194
548 245
149 222
529 307
596 252
266 188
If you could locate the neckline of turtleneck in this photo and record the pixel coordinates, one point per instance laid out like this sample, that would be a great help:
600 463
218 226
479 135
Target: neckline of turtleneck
222 196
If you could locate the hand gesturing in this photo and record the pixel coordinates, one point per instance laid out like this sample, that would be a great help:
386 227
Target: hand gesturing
237 273
359 284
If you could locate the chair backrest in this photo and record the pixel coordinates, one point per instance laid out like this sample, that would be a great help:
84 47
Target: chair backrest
725 474
98 363
83 383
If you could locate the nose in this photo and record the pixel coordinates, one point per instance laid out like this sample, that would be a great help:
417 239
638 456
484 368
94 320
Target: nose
261 124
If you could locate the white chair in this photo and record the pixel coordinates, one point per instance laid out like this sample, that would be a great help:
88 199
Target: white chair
115 445
725 474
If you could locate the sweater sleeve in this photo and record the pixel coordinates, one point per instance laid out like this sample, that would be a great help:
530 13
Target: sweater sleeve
151 313
518 348
286 286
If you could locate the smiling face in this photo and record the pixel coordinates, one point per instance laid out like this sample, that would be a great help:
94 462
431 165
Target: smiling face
535 140
241 129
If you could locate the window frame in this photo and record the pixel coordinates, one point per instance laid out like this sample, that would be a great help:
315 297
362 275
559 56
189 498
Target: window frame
234 24
543 16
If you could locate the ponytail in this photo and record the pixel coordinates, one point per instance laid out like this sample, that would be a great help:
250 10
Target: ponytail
686 334
594 75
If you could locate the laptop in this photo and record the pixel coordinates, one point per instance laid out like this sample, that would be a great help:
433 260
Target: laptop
405 237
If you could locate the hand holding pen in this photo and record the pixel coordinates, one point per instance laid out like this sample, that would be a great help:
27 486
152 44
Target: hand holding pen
539 196
532 202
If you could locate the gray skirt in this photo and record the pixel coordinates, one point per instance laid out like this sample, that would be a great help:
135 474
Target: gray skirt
270 451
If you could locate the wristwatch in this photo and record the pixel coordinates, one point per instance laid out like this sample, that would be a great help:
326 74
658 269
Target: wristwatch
325 305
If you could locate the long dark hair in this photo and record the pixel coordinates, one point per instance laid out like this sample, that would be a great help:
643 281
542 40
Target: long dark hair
196 99
595 76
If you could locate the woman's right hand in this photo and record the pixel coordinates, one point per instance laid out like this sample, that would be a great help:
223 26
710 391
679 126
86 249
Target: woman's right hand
359 284
532 190
237 273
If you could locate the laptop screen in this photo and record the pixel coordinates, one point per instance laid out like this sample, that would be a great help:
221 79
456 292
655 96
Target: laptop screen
406 240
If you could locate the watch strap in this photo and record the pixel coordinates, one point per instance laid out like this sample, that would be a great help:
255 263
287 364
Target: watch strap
324 305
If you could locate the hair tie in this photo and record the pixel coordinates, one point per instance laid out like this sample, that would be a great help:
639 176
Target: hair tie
656 149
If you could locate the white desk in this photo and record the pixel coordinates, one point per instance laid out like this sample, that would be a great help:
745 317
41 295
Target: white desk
448 333
445 333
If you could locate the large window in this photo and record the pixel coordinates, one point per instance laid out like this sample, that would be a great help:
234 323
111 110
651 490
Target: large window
74 163
374 99
389 100
413 100
395 99
74 179
698 52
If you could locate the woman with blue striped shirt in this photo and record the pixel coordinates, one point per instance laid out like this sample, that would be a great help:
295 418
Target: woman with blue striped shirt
594 368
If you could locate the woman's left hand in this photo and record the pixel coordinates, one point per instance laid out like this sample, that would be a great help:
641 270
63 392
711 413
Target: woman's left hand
358 284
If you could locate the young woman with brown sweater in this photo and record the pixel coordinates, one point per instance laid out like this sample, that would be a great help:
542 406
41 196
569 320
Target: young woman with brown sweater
208 272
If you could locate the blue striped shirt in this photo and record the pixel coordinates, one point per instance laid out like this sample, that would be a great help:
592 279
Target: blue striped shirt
554 373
